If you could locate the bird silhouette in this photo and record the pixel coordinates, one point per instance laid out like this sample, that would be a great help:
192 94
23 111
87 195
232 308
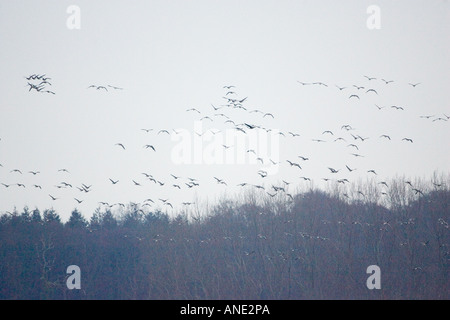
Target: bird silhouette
120 145
113 182
407 139
147 146
387 81
414 84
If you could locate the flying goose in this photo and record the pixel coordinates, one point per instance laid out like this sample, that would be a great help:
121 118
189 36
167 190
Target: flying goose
149 146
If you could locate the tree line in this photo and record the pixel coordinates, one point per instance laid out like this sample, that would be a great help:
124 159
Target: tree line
316 246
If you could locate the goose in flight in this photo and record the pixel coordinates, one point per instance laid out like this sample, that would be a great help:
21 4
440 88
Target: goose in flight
397 107
120 145
414 84
262 173
147 130
333 170
228 87
340 88
34 172
357 87
294 134
6 185
112 181
328 131
37 186
303 83
303 158
136 183
439 119
318 140
220 181
79 201
215 108
353 96
385 136
371 90
97 87
356 155
163 131
206 118
294 164
349 169
346 127
387 81
407 139
147 146
20 185
372 171
63 170
193 109
250 126
53 198
370 78
353 145
16 170
379 108
269 114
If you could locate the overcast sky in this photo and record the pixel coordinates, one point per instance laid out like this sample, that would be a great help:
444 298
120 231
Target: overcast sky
171 56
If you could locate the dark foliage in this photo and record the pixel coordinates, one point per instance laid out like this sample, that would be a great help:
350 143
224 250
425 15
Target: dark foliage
315 247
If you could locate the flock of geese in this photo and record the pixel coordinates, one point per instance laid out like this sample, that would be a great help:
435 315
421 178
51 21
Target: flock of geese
39 83
221 113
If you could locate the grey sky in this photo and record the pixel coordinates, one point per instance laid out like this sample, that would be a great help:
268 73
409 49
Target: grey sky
170 56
